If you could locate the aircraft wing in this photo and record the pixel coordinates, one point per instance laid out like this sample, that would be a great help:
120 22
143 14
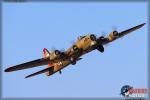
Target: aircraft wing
30 64
123 33
50 69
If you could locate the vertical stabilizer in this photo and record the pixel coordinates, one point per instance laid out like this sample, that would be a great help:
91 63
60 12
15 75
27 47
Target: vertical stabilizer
46 53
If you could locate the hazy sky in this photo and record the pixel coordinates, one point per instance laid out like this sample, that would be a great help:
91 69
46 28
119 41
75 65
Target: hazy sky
30 27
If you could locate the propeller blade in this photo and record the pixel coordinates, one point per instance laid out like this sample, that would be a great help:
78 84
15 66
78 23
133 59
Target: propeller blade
72 42
104 33
53 48
114 28
62 50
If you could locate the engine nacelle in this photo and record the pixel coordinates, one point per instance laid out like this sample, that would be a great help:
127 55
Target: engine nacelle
93 37
113 35
75 49
55 54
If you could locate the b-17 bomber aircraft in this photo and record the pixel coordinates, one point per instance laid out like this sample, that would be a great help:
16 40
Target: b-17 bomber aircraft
57 60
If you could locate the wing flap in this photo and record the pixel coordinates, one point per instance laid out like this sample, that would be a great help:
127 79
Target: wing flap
30 64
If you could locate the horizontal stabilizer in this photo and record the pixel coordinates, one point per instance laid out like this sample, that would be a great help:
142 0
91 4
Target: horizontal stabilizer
50 70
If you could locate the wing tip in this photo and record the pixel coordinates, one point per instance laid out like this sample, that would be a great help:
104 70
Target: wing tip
7 70
143 24
27 77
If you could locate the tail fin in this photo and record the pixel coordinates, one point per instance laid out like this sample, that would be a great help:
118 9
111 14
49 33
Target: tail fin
46 53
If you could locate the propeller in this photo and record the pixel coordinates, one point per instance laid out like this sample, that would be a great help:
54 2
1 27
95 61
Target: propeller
72 42
114 28
103 34
52 48
115 32
62 50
